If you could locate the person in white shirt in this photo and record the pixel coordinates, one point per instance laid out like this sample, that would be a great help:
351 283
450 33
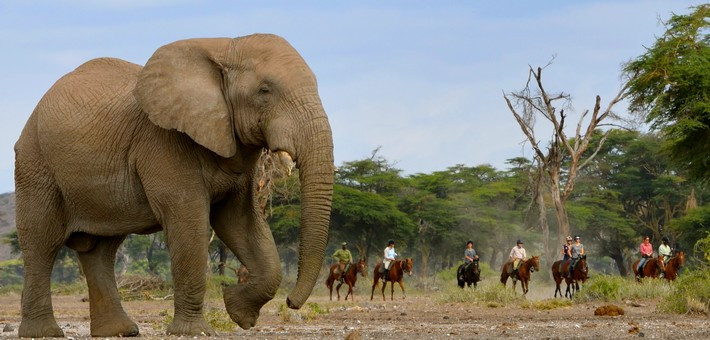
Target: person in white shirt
517 256
389 256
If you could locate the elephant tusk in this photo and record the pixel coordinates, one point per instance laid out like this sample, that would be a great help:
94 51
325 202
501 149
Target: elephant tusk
286 161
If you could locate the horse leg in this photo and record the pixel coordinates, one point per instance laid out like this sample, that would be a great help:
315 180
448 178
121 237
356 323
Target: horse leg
384 284
392 291
337 290
401 285
330 287
374 284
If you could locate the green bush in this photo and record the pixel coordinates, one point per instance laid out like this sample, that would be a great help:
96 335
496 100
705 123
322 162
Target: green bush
691 294
616 288
11 272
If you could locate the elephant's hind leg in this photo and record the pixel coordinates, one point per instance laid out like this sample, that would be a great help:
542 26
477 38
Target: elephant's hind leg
41 233
107 316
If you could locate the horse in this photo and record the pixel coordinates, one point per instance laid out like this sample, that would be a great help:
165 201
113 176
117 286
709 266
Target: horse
674 265
396 274
579 273
523 273
472 274
350 278
653 268
557 274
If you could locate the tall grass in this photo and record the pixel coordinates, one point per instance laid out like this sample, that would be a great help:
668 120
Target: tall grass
616 288
490 294
691 294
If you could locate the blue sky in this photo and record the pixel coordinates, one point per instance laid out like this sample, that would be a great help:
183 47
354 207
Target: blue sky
422 80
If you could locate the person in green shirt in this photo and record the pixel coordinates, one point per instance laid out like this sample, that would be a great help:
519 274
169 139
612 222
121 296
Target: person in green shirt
343 258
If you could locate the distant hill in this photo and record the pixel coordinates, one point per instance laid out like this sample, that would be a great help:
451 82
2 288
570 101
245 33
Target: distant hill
7 222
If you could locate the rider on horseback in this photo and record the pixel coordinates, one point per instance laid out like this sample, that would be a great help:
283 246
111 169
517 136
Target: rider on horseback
469 256
646 250
344 258
665 251
517 256
566 254
576 250
389 256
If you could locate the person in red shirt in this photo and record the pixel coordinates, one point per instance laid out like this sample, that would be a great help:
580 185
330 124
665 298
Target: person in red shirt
646 250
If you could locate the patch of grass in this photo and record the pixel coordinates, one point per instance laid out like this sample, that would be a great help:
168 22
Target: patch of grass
219 320
167 317
491 294
215 283
309 312
312 311
74 288
691 294
15 288
547 304
616 288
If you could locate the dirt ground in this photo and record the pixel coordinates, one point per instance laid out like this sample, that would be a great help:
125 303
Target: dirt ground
419 316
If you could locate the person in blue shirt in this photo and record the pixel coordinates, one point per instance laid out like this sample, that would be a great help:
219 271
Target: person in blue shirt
469 256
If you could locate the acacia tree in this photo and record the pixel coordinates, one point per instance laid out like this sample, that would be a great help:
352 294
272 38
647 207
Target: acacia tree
672 89
534 101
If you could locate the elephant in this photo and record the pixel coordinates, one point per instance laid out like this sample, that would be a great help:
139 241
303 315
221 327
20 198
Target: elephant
114 149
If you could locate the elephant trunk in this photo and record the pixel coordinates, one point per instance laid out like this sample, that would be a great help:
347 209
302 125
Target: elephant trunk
315 163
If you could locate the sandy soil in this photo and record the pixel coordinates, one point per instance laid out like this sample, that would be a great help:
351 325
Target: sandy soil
419 316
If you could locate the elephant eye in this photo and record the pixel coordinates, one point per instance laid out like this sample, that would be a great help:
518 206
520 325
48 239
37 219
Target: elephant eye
264 89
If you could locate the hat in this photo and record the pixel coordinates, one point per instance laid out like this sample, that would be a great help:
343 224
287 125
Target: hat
576 237
345 243
520 242
569 238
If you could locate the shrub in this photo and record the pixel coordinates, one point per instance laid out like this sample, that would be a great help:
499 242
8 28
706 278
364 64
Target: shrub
616 288
11 272
691 294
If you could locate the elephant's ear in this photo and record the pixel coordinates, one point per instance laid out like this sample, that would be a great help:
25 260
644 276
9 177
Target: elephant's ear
180 88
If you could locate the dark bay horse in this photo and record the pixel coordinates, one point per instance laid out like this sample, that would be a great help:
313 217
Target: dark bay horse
653 267
578 274
471 275
674 265
350 278
523 273
396 274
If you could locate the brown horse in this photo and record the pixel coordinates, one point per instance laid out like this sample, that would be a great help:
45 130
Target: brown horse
578 274
396 274
350 278
674 265
523 273
653 268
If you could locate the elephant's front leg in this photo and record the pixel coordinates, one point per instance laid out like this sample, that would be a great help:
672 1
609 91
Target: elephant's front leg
187 238
243 229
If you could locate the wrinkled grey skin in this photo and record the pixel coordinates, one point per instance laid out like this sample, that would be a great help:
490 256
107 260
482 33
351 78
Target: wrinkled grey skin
114 148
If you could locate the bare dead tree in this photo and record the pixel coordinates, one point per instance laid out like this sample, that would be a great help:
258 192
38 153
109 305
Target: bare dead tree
534 101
